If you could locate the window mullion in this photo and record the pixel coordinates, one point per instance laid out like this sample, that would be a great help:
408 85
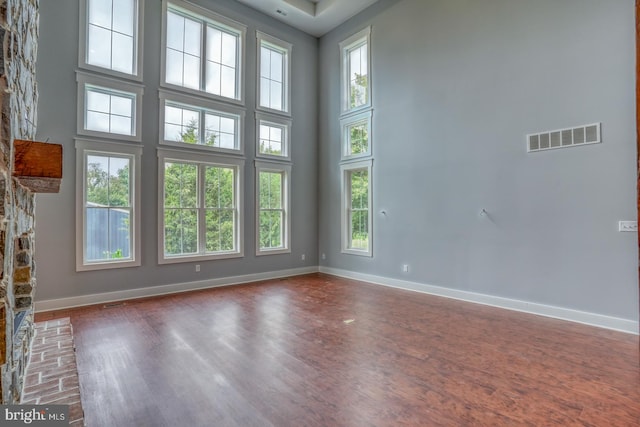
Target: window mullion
202 228
203 55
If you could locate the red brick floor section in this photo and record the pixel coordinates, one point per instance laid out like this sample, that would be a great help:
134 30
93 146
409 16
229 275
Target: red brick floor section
52 374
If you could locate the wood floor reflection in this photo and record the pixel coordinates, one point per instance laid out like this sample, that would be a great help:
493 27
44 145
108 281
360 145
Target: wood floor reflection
279 353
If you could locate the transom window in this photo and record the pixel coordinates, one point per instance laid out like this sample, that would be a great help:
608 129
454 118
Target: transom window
185 124
356 135
202 51
273 79
109 111
273 135
109 36
109 107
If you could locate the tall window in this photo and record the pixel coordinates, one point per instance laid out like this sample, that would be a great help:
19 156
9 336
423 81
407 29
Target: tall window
203 51
272 201
108 202
274 71
356 78
110 35
356 141
356 208
200 207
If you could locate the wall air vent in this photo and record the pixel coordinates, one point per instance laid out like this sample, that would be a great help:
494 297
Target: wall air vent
562 138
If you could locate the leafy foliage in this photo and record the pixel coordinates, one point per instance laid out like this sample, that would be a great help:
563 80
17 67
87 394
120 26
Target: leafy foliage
271 210
359 209
181 208
108 208
358 90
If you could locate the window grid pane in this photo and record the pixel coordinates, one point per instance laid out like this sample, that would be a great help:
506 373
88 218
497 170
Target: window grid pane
271 139
271 212
183 48
111 34
221 62
180 208
108 112
181 125
358 76
272 73
358 220
107 204
358 135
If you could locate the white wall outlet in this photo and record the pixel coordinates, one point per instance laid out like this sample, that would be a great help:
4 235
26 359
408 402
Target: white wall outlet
324 256
303 257
197 268
405 268
628 226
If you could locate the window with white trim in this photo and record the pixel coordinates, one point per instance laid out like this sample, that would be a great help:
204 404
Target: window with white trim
356 76
356 208
356 135
273 136
202 50
108 202
272 206
274 73
108 107
200 207
110 36
185 121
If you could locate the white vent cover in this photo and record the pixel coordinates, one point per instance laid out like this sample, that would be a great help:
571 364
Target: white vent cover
562 138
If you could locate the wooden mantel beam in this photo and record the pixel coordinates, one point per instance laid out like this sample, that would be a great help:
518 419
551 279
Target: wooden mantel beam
38 165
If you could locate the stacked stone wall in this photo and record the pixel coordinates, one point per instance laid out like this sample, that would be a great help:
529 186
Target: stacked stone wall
18 117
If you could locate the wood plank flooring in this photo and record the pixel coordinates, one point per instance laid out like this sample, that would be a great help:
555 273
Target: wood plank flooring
278 353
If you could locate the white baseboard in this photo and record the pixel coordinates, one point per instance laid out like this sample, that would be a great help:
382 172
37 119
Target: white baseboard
592 319
82 300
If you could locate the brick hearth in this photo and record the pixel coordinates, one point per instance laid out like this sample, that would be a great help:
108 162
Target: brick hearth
52 374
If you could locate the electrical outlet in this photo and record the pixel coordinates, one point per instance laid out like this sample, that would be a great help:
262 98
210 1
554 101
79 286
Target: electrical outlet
405 268
324 256
303 257
631 226
197 268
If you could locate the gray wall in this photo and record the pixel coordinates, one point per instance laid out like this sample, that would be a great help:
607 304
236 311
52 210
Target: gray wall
55 230
456 86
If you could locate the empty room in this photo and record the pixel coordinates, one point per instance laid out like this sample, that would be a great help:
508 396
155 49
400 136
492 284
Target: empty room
320 212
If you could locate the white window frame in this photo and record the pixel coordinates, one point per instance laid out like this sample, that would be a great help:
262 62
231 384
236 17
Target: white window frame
202 159
286 49
356 40
364 117
345 171
274 121
203 107
207 17
285 170
115 87
85 147
138 43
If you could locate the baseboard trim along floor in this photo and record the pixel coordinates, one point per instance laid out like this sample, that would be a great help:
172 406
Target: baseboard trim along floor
593 319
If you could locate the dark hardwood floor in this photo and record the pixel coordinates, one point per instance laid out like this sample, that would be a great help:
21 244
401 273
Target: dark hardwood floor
279 353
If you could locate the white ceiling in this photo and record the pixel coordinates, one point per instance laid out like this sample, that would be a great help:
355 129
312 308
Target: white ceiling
315 17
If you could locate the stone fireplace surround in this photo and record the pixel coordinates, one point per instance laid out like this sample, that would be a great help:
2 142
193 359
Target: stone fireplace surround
18 101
